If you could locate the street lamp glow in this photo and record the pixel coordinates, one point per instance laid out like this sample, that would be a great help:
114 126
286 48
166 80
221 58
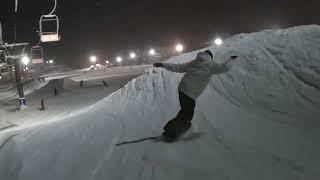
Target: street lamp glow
119 59
107 62
179 48
132 55
218 41
93 59
152 52
25 60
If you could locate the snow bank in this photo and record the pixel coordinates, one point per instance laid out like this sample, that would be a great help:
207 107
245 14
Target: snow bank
258 121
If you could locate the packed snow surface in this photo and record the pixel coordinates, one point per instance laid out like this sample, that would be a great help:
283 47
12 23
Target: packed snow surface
258 121
71 99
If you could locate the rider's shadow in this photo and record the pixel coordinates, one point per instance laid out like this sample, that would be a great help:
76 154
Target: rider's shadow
191 136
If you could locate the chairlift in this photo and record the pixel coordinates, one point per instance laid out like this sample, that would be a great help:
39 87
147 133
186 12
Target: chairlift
37 54
49 28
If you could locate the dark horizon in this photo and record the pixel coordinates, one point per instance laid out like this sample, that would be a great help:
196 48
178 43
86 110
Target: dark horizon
108 29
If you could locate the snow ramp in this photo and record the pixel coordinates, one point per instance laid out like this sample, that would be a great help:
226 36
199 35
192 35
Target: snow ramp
258 121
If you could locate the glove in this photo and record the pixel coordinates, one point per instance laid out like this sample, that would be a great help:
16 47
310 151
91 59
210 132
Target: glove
158 64
234 57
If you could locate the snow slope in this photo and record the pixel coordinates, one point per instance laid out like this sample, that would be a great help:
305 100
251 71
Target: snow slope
71 99
258 121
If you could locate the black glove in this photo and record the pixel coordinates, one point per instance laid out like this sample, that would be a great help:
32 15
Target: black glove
158 64
234 57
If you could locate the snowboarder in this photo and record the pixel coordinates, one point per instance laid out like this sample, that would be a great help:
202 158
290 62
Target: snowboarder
198 73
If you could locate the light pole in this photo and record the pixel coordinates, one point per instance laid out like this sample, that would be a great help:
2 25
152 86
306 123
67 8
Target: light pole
152 52
107 63
179 48
93 59
25 60
133 55
22 99
218 41
119 60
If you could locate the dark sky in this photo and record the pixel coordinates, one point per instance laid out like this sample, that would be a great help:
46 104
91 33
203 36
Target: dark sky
111 27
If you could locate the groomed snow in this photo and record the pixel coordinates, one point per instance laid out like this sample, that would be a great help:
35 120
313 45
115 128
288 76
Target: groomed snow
71 99
258 121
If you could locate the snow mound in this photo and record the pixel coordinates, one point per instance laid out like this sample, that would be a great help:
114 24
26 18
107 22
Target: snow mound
258 121
278 71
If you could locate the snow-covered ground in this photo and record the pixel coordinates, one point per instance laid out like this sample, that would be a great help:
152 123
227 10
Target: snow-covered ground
9 102
258 121
71 98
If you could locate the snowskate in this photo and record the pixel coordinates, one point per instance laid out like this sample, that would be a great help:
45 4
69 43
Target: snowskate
174 130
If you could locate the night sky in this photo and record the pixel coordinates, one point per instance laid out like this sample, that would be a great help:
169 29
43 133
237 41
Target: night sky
109 28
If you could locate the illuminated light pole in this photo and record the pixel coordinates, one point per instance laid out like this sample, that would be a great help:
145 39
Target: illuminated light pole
93 59
119 59
152 52
218 41
25 60
132 55
179 48
107 63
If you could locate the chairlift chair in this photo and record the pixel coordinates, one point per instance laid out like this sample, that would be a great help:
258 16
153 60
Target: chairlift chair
48 33
37 54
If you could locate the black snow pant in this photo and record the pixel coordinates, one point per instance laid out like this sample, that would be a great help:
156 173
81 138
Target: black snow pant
185 115
187 104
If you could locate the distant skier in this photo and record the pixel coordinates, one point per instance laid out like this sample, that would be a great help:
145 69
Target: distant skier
198 73
43 108
81 83
55 91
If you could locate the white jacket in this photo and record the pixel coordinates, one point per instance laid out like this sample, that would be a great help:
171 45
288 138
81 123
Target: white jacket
198 73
